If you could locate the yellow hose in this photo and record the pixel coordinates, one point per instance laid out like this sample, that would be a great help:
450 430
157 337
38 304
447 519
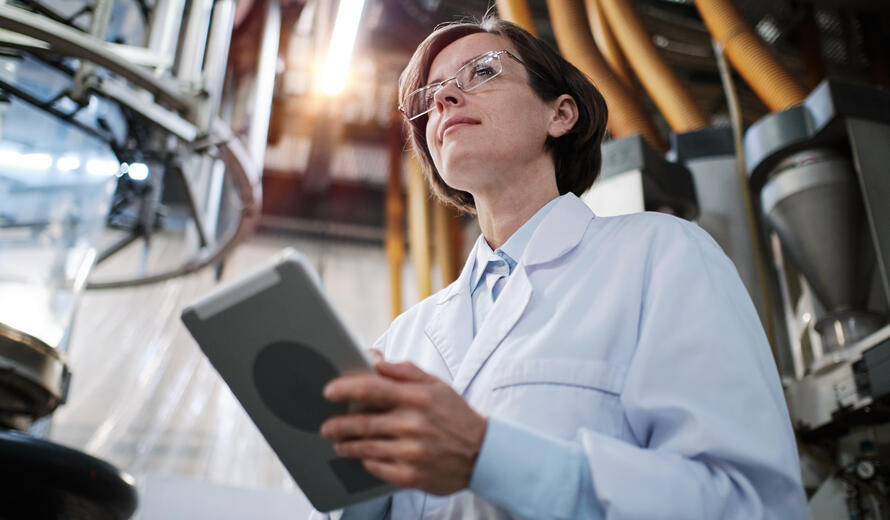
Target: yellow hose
665 88
607 44
626 113
764 73
516 11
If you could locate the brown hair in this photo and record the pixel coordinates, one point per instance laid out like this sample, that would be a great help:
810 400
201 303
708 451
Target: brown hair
576 155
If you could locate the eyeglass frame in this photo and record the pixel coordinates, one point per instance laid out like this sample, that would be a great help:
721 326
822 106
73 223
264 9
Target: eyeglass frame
441 84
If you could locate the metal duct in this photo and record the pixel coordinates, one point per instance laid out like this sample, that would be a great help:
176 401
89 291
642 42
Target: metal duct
626 114
663 85
607 44
517 11
814 205
763 72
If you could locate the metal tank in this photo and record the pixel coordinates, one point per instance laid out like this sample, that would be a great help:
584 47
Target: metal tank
818 171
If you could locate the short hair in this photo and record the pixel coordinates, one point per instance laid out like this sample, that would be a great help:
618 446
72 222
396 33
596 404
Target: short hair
576 154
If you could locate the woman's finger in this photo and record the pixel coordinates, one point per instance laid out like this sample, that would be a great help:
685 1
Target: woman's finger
404 371
369 389
396 450
397 423
376 391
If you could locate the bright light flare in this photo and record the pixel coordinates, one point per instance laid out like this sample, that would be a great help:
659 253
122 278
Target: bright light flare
349 13
68 163
36 161
138 171
29 161
102 167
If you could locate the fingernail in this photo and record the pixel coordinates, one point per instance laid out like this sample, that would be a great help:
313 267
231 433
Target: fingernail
328 391
325 430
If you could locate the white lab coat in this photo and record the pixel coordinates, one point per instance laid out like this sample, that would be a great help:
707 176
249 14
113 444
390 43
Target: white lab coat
634 337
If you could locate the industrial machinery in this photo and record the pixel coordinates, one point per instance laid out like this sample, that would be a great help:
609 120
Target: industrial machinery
114 136
635 177
819 174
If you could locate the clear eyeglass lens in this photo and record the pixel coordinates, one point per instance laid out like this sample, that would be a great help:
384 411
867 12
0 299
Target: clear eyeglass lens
469 77
478 72
419 102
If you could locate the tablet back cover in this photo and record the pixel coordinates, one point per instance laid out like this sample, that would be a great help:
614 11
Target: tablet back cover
276 340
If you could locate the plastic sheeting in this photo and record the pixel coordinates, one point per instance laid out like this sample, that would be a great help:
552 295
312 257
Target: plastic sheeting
143 396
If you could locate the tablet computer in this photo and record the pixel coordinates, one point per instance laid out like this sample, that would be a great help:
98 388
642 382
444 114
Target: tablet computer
276 340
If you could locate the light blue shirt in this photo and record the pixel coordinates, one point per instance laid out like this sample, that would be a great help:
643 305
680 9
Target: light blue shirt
499 263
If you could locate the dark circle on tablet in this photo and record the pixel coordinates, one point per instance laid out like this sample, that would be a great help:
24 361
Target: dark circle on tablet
289 378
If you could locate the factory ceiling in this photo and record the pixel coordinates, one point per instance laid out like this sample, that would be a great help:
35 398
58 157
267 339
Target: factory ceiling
343 142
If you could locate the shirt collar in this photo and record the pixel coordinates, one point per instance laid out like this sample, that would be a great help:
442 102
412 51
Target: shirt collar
513 248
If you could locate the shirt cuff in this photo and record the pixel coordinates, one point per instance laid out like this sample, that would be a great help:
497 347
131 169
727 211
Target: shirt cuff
533 475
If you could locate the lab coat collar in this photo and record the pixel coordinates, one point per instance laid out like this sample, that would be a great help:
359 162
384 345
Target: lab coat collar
451 327
560 231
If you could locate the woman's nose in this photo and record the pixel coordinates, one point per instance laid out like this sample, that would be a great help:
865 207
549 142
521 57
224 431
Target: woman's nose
449 94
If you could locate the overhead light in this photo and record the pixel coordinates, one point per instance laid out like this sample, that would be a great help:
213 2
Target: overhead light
28 161
68 163
349 13
102 167
36 161
138 171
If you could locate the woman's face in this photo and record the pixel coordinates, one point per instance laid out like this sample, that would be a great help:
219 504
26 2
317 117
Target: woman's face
489 136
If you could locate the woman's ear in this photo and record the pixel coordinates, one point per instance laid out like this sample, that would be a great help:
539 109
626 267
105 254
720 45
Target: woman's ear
565 115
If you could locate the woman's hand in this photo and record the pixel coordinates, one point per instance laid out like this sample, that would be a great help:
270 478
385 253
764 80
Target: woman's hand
421 434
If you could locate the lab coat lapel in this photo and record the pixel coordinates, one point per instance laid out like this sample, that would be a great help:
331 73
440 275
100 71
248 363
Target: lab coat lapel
501 318
451 328
559 233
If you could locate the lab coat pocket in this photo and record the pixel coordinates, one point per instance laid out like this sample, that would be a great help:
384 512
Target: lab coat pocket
558 396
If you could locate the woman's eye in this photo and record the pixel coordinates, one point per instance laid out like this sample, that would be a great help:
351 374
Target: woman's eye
483 71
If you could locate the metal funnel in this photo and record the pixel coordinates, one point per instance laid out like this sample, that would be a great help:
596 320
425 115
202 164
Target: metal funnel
814 205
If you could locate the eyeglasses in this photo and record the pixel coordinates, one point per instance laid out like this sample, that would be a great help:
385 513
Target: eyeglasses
477 71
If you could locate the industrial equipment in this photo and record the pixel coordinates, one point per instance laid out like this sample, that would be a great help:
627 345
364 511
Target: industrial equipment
114 136
635 177
818 171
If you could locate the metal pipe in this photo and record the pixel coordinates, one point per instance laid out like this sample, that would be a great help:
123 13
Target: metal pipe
627 115
238 166
98 29
166 20
213 76
395 215
265 83
101 17
418 228
750 55
447 236
661 82
77 44
194 42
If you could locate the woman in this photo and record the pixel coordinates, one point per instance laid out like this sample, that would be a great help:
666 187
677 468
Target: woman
580 367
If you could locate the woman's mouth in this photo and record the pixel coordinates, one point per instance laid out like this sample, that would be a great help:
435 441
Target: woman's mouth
454 123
